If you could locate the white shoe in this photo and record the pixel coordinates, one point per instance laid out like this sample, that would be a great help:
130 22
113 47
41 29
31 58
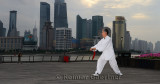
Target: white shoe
96 74
120 74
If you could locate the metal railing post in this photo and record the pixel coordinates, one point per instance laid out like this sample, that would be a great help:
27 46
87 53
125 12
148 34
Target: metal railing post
76 58
42 58
33 58
89 57
58 58
82 58
11 58
29 58
3 59
51 58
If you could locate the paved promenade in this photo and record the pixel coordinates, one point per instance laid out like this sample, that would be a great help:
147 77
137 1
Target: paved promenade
72 73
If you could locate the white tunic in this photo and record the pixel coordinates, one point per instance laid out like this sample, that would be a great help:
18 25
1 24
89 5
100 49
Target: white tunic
106 47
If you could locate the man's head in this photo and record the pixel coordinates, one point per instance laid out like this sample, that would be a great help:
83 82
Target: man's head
105 32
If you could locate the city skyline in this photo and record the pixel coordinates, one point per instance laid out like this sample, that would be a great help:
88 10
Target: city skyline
139 19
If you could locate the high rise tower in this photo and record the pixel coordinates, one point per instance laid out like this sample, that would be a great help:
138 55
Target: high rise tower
79 27
97 25
84 28
44 17
2 30
60 14
47 36
119 33
35 33
12 32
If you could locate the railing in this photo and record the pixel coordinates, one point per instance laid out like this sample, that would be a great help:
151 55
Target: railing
14 59
51 58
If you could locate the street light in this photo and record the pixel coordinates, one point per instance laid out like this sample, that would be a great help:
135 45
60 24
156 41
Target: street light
121 42
64 43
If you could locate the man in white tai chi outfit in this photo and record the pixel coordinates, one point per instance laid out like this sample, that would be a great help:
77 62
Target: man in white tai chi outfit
106 47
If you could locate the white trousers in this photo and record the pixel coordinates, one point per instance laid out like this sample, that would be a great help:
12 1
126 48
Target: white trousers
101 63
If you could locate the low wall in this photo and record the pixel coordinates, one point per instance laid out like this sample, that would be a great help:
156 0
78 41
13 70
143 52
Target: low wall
139 63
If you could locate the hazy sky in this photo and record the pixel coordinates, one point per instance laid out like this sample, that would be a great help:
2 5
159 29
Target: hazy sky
143 16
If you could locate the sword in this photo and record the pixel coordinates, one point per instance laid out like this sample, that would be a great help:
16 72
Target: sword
94 53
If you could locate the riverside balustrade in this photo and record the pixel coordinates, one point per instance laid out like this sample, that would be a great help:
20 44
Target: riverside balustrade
14 59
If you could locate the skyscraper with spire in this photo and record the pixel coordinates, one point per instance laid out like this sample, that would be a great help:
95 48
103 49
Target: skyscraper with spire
60 14
35 33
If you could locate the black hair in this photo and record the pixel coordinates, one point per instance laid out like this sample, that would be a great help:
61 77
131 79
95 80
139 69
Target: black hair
106 30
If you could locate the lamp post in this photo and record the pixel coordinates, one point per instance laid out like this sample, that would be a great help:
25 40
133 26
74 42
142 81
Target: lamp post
64 44
121 43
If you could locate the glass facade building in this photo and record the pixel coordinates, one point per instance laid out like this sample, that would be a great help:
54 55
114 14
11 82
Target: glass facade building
2 30
60 14
44 17
97 25
12 32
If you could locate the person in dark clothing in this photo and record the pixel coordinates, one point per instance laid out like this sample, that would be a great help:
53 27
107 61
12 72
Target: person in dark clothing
19 57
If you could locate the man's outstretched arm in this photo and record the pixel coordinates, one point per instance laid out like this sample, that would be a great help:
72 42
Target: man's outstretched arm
95 46
103 45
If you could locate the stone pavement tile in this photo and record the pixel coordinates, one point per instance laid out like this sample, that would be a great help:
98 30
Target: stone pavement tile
47 73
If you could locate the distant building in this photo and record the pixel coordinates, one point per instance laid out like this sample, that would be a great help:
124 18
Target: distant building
84 28
12 32
63 38
2 30
150 47
44 17
140 45
157 47
29 42
128 40
1 24
60 14
79 27
89 28
75 43
119 33
11 43
86 43
47 36
97 25
134 45
18 33
35 34
27 32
